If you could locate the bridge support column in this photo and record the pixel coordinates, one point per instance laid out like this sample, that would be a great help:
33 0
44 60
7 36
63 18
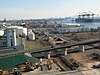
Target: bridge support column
49 55
65 51
81 48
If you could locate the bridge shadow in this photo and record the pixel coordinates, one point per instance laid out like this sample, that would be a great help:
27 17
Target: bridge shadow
96 47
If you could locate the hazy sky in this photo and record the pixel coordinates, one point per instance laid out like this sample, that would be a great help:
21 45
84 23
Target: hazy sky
24 9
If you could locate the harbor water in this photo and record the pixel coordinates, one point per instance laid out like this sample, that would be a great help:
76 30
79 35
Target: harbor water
91 24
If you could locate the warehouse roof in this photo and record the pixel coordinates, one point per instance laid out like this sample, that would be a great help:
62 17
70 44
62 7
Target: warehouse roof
12 61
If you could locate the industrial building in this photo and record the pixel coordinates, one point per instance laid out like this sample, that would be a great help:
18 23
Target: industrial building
7 64
19 29
9 39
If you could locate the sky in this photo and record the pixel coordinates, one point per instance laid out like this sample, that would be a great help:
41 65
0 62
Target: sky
32 9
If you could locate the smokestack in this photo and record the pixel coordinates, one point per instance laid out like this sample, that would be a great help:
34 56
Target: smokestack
8 38
13 37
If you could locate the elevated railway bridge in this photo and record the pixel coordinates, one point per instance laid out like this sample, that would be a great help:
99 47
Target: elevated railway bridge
55 48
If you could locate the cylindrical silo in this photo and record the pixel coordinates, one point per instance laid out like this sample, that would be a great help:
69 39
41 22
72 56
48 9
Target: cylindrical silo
13 37
8 38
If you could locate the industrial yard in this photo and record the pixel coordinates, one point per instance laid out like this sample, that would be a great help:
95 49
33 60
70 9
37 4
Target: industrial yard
75 62
49 37
42 51
43 41
81 63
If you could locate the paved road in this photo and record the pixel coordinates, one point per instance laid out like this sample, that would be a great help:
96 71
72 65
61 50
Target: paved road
85 72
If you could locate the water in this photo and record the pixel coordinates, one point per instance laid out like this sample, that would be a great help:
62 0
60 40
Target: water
92 24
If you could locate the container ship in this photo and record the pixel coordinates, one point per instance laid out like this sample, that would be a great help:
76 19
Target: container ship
85 17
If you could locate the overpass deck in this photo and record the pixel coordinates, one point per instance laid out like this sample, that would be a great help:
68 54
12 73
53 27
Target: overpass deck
91 41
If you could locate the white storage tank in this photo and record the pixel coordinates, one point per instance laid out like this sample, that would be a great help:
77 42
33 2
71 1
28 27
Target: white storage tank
22 31
1 32
19 29
31 35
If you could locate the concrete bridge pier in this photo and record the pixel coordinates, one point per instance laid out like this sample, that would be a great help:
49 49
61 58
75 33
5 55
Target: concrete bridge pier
49 55
65 51
81 48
